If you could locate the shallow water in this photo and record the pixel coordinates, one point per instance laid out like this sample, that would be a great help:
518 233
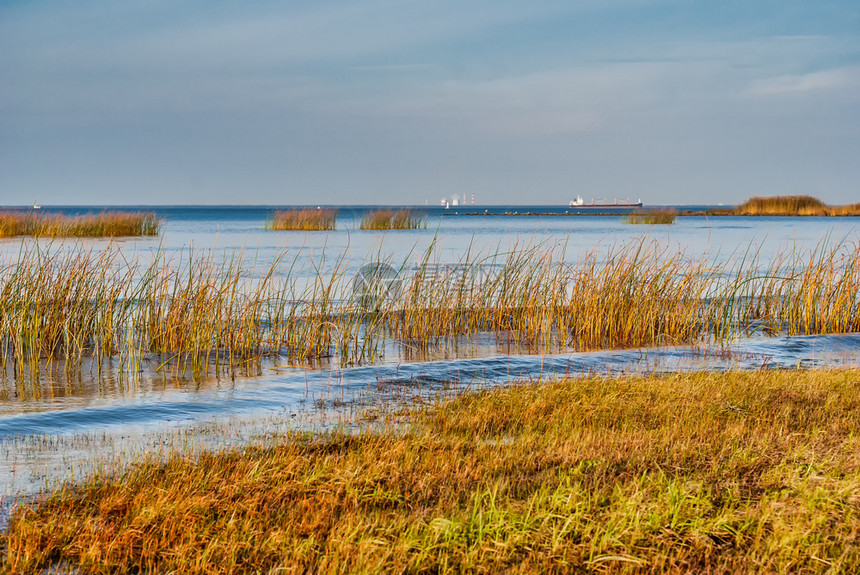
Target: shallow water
43 447
59 424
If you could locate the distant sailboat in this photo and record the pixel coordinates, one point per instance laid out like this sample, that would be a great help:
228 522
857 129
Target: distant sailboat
36 205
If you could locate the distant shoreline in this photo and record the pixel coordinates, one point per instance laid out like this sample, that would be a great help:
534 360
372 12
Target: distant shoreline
720 213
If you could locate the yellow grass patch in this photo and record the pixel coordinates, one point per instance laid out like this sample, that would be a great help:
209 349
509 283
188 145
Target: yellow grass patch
717 473
105 224
303 219
388 219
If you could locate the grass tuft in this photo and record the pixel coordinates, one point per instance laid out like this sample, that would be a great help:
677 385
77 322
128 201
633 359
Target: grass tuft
105 224
303 219
388 219
652 217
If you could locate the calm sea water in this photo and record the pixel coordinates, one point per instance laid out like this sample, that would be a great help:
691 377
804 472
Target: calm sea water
49 427
458 231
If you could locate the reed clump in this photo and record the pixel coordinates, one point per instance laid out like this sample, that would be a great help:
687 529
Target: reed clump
792 206
623 299
636 295
801 294
105 224
303 219
191 315
388 219
652 217
215 312
705 472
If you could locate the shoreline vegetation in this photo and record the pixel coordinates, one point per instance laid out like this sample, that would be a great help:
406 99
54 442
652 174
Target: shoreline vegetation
391 219
308 219
652 217
105 224
700 472
755 206
789 206
201 312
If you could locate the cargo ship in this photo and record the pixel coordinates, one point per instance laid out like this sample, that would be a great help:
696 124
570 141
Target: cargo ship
580 203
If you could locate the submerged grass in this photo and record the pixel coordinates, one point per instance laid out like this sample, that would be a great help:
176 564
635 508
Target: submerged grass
209 312
303 219
388 219
717 473
105 224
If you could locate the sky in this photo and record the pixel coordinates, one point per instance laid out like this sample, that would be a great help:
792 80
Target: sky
406 102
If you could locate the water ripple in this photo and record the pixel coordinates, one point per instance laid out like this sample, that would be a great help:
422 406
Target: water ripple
42 447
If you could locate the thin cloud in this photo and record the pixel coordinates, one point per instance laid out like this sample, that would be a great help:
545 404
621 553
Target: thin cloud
837 80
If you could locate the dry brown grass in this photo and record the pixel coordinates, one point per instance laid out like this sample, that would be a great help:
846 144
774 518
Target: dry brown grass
105 224
706 473
303 219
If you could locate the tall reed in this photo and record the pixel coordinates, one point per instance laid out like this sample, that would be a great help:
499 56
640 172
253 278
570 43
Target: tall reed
190 315
303 219
632 296
105 224
213 311
388 219
806 293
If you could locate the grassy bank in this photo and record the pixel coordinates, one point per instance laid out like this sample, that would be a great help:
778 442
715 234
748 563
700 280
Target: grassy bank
789 206
719 473
105 224
388 219
303 219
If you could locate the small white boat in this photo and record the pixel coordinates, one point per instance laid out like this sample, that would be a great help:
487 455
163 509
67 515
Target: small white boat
36 205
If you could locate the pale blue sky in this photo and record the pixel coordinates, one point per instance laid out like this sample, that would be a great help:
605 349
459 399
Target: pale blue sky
404 102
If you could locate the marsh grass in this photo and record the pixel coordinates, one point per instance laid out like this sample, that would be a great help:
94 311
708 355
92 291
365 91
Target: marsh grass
187 316
105 224
388 219
652 217
303 219
716 473
622 299
208 312
792 206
